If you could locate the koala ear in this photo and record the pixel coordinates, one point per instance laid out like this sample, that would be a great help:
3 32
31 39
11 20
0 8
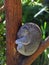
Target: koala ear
23 41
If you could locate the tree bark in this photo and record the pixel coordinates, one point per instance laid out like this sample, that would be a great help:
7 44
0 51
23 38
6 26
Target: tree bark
31 59
13 22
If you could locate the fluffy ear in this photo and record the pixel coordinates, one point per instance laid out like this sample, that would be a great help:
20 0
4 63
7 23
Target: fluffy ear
23 41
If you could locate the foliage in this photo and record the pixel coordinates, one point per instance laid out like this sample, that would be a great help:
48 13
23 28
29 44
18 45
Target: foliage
29 9
2 36
2 44
1 2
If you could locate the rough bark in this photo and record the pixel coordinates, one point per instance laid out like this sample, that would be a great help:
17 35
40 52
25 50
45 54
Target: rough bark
13 22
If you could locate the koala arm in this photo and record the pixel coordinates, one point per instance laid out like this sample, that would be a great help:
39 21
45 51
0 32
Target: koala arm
25 40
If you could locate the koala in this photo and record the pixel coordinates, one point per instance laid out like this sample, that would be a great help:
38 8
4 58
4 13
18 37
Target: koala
29 39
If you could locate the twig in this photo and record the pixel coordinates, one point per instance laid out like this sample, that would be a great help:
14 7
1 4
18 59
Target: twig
0 19
38 13
2 9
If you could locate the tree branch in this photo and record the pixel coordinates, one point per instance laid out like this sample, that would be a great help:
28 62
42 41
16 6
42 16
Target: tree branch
0 19
43 46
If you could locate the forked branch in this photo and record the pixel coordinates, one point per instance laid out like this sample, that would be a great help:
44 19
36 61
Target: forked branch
43 46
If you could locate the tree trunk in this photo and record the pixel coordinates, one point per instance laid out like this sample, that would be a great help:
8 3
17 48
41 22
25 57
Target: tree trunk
13 22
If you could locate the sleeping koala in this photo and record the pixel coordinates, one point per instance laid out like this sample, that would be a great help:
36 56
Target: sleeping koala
29 39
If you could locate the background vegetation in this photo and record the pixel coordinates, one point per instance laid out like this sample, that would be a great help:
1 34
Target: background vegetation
29 9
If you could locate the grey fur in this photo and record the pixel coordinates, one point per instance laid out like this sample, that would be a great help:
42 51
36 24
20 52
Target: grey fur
29 39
